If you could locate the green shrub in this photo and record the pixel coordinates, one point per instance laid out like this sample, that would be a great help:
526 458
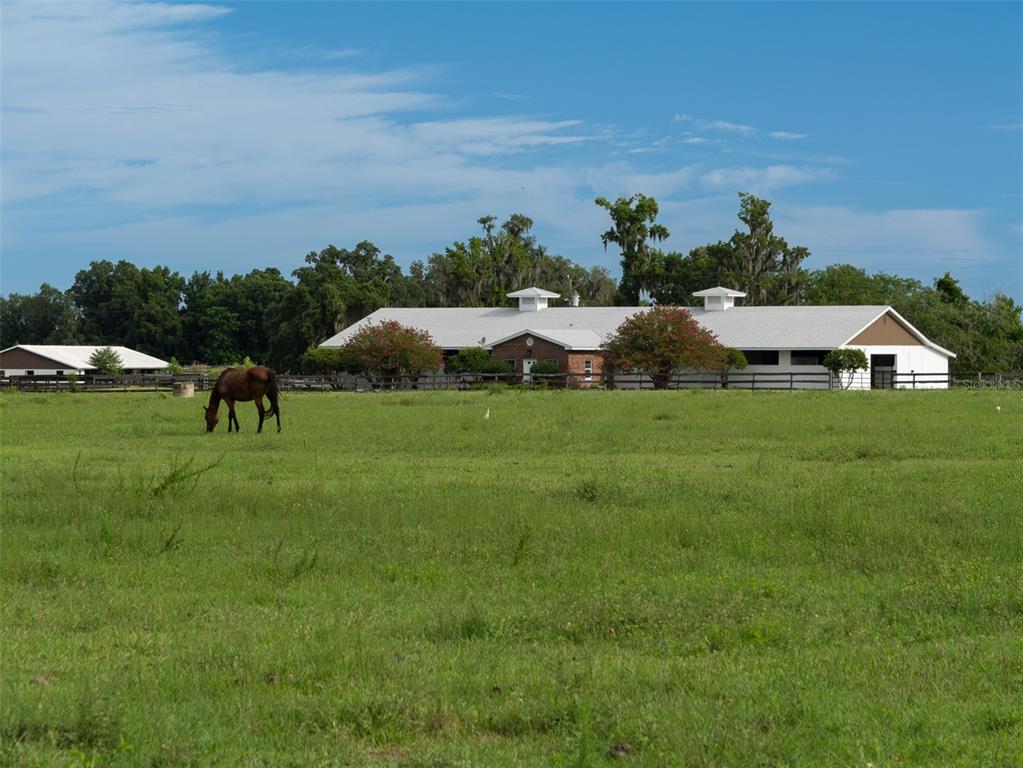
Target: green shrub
546 367
498 366
468 360
846 360
736 360
321 360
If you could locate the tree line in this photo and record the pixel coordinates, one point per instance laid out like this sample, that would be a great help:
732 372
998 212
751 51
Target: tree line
272 318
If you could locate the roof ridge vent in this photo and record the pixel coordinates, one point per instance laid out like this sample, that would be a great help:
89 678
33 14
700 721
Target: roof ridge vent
533 299
718 299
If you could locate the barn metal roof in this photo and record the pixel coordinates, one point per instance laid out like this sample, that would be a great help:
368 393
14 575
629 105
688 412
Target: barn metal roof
813 327
77 356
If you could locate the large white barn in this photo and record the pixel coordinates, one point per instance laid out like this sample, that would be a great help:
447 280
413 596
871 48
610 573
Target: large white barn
775 340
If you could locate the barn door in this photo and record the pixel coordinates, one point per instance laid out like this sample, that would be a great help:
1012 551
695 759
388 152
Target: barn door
527 366
882 371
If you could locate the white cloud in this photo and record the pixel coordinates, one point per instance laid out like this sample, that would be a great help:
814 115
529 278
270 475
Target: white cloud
787 136
494 135
134 88
761 180
720 126
512 97
727 127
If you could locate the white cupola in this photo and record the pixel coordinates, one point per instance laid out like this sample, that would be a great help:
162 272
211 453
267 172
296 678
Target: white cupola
533 299
719 299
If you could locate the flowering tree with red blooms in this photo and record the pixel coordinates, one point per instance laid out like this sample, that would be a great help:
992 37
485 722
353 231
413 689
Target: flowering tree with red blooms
390 350
661 342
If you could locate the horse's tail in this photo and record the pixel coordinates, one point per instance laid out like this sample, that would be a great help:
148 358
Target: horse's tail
272 394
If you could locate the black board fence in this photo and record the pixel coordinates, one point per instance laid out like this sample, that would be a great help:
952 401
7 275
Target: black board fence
343 382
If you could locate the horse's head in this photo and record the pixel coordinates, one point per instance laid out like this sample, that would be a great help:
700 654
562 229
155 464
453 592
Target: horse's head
211 417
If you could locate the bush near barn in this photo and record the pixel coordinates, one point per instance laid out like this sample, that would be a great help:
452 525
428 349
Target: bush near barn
661 342
390 350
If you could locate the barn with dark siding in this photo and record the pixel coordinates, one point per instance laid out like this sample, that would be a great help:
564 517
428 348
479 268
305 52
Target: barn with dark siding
60 360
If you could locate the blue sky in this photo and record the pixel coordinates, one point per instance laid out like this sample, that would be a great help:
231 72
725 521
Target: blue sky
228 136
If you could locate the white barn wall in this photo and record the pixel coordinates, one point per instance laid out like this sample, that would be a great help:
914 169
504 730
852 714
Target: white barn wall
786 367
908 359
42 371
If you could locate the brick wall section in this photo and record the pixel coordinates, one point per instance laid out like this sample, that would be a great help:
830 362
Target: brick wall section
516 349
577 362
570 362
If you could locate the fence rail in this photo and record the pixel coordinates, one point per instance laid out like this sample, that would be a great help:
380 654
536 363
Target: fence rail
341 382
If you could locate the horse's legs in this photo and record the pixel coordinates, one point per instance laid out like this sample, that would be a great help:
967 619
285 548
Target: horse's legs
231 417
262 412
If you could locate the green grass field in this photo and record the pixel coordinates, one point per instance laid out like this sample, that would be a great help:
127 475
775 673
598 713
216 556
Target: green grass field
584 579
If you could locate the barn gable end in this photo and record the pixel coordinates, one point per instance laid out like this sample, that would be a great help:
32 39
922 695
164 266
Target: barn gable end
17 358
885 331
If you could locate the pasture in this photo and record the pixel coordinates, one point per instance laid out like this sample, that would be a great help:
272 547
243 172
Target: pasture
583 579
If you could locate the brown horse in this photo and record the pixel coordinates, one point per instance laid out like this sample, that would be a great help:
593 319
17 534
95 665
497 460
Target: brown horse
237 385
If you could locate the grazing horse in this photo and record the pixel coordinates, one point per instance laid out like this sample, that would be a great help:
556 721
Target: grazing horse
237 385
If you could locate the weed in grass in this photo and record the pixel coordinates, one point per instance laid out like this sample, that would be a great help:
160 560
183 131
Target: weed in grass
87 729
521 719
994 721
522 546
285 570
471 624
173 541
588 491
178 475
43 573
107 540
682 538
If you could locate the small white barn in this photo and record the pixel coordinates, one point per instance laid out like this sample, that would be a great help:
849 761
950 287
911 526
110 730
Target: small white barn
60 359
775 340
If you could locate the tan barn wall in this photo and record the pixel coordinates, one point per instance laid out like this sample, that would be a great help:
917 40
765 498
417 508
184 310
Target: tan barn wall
887 331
